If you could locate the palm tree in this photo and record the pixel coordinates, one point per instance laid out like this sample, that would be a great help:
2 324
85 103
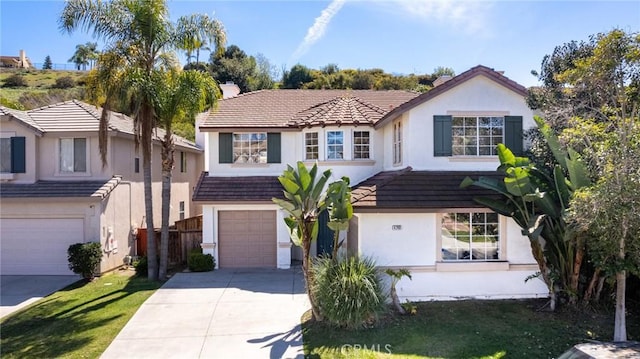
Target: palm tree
139 39
200 32
181 95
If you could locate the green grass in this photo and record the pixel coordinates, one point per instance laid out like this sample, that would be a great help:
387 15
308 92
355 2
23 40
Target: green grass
466 329
41 79
79 321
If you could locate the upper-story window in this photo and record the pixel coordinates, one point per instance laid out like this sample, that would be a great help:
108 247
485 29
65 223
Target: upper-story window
250 147
471 236
5 155
73 155
183 161
335 145
311 146
397 142
361 145
476 136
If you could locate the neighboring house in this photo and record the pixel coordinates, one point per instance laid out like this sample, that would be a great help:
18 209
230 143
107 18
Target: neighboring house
56 192
405 153
19 62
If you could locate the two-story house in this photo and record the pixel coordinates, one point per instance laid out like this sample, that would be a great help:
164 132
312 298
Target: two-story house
55 190
406 154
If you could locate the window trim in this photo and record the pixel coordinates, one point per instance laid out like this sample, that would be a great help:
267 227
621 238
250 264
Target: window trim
492 148
353 145
8 136
181 210
58 153
183 162
453 264
327 158
396 142
305 145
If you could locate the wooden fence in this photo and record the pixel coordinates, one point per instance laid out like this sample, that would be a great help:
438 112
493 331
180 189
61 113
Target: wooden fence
186 236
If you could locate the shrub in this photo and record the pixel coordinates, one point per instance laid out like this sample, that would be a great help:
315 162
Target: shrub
84 258
64 82
15 80
141 266
349 291
199 262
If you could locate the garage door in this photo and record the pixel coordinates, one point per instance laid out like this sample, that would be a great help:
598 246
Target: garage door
247 239
38 246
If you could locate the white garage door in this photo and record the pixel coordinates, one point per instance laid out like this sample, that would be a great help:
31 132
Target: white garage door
247 239
38 246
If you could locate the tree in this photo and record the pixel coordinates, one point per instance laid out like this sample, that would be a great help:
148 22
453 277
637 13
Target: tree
248 72
198 32
338 203
138 36
86 54
180 96
443 71
296 77
303 201
47 65
608 211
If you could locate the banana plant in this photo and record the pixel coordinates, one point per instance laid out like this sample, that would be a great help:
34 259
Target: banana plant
537 201
340 210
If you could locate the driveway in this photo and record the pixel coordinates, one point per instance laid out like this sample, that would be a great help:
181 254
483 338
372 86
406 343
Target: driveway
18 291
249 313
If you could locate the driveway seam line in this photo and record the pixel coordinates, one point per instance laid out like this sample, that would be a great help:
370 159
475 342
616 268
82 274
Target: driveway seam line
206 334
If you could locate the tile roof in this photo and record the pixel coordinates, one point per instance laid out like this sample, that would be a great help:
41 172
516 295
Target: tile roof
21 116
424 190
290 108
77 116
60 189
453 82
237 189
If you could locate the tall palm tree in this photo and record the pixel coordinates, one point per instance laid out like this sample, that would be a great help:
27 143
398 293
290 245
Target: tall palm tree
200 32
139 39
181 95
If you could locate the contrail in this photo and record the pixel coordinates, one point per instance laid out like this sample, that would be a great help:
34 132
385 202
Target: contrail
316 31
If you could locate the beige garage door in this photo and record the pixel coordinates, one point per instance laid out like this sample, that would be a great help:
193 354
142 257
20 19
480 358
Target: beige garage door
247 239
31 246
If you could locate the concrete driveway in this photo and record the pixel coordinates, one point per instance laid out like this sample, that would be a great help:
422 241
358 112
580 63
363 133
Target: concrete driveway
18 291
251 313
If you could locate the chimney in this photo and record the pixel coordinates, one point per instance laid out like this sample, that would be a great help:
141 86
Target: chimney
229 89
442 79
23 60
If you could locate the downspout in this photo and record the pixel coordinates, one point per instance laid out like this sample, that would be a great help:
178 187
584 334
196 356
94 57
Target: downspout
135 247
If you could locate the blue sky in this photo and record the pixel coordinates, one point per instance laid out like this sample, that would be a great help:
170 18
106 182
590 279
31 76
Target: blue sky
399 36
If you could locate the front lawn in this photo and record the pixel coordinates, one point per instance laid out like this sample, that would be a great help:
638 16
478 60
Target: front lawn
79 321
466 329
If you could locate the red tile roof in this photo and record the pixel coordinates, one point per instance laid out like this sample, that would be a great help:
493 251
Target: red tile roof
293 108
418 190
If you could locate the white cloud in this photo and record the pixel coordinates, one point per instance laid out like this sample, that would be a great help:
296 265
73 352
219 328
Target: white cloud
465 15
317 30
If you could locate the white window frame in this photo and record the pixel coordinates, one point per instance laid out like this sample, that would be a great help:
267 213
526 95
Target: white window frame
307 145
474 141
335 145
7 136
73 172
397 142
366 145
181 210
499 248
254 152
183 162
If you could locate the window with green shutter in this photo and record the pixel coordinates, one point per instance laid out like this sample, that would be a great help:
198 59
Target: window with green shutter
441 135
249 147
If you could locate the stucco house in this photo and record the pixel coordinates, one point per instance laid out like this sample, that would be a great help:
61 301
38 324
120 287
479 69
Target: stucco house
55 191
405 153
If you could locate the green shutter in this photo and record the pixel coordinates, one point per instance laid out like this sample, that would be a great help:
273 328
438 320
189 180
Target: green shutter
273 148
442 135
513 134
225 147
18 155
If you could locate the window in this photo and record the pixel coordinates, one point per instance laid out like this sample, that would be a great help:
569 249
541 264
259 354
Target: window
397 142
335 145
73 155
136 165
311 146
361 143
181 212
183 161
476 136
470 237
250 147
5 155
